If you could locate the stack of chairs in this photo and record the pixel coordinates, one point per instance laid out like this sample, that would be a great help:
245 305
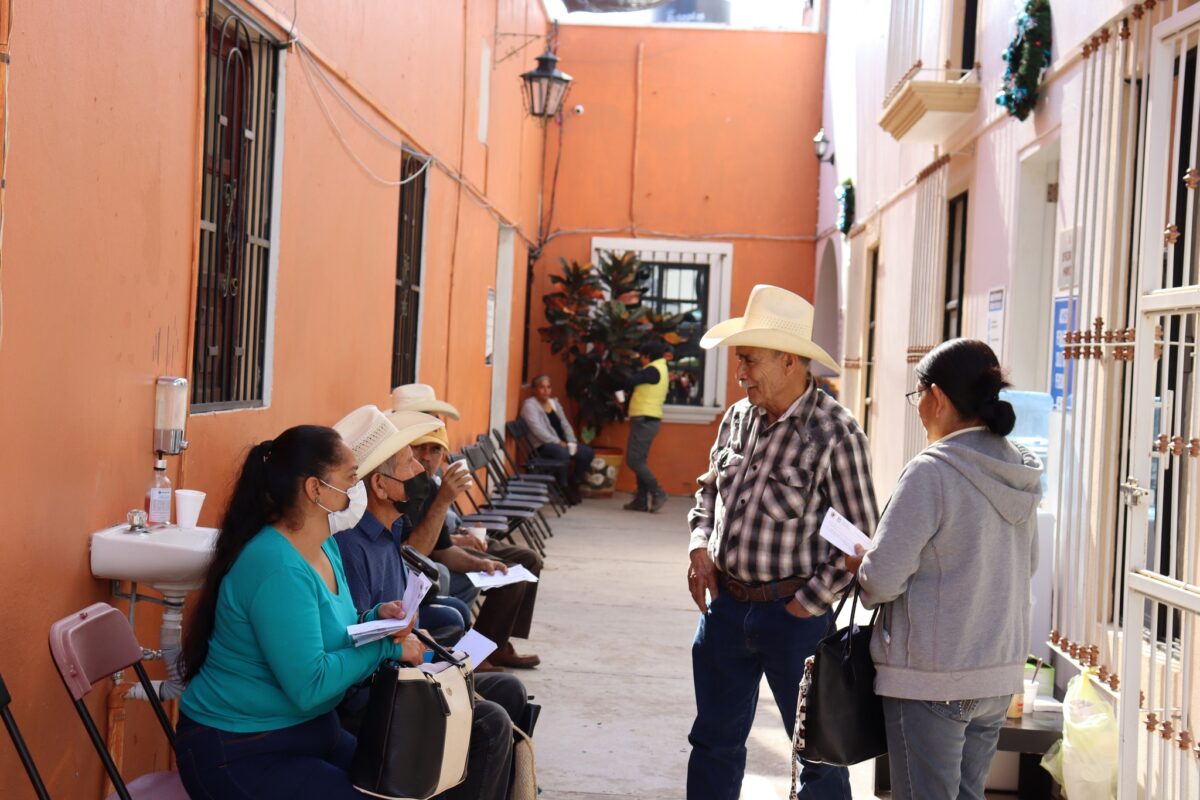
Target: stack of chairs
515 492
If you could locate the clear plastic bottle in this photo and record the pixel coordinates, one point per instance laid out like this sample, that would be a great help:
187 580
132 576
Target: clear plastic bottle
158 496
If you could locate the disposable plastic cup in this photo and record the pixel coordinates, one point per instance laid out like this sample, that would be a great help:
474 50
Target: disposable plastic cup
478 533
1031 690
187 507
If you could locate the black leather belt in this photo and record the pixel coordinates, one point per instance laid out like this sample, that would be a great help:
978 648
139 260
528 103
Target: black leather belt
760 592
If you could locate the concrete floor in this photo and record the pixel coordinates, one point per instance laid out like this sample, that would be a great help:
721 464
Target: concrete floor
613 627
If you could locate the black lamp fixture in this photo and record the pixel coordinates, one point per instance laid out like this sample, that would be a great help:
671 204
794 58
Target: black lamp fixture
821 148
545 87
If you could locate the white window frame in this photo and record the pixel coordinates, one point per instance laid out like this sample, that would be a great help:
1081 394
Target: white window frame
719 258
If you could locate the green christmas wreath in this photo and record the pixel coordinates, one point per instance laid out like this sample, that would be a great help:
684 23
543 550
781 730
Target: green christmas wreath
844 194
1027 56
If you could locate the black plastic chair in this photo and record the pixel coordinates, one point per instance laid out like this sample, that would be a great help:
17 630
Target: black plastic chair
507 472
19 743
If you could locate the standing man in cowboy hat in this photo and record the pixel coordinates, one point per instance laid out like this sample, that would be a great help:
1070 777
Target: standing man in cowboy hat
784 454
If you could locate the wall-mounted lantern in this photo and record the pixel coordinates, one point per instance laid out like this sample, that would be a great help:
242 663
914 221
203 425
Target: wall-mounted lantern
821 147
545 87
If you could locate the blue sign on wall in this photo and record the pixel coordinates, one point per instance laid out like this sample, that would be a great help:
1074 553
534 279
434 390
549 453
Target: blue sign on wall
1061 370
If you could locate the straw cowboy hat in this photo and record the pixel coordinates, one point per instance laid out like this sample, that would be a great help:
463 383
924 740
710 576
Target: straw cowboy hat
375 438
420 397
775 319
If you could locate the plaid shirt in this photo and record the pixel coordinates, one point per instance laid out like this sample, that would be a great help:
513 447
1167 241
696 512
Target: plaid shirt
768 486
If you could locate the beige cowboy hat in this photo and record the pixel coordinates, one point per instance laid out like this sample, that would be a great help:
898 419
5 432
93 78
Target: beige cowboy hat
421 397
374 437
775 319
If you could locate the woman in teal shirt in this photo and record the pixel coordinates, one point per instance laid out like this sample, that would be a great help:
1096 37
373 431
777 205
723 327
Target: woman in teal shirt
266 656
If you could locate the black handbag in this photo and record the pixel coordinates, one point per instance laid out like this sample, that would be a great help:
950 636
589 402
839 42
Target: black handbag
839 719
416 732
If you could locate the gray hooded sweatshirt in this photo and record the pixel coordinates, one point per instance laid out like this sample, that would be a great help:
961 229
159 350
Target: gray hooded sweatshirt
951 566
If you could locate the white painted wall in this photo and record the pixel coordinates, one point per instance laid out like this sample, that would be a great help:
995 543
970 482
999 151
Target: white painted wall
988 153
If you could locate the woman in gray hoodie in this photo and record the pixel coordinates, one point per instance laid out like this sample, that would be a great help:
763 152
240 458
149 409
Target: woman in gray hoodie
950 566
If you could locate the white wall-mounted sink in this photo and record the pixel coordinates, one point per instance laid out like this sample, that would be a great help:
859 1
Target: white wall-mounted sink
170 558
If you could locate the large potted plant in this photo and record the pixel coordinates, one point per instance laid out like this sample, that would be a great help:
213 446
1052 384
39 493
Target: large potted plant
597 324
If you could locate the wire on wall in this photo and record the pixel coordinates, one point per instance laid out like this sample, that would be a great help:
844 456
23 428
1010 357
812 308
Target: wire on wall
311 66
5 65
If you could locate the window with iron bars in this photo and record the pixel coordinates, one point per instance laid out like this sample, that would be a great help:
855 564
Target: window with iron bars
869 370
956 267
229 362
408 269
682 289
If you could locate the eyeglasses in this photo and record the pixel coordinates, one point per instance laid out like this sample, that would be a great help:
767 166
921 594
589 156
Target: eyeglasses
914 397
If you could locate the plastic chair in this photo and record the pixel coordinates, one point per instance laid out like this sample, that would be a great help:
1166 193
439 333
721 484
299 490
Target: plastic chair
19 743
522 482
89 646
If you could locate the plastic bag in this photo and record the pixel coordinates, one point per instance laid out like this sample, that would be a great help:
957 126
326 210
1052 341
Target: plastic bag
1085 762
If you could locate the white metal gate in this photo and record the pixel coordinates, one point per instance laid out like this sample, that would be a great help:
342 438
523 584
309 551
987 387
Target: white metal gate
1159 708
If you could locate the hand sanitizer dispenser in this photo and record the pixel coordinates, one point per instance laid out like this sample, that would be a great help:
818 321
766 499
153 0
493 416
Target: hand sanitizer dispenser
170 415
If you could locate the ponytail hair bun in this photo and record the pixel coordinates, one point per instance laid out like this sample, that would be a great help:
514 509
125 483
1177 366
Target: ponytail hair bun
998 415
969 373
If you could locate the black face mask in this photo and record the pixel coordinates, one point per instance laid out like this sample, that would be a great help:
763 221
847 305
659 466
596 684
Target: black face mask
417 490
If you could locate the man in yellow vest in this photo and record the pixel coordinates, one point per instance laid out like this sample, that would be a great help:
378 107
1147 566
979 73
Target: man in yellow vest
650 386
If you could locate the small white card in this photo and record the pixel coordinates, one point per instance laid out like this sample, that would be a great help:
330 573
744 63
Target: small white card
842 533
515 574
476 646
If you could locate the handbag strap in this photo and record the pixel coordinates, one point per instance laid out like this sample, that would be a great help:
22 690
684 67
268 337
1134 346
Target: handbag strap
851 588
432 644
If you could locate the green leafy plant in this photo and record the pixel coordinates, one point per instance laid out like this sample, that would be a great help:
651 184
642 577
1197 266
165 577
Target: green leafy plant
597 324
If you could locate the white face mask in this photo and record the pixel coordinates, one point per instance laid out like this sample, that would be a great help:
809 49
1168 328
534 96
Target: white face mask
352 514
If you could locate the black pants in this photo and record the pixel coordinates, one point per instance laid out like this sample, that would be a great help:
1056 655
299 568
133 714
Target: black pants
508 610
642 431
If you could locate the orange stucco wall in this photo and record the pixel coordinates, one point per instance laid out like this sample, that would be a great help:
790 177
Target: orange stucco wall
722 144
98 277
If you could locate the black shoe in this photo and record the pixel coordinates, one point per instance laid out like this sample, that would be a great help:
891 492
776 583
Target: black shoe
636 504
573 496
657 501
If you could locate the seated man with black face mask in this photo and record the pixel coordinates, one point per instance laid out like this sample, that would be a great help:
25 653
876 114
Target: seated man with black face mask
374 567
446 617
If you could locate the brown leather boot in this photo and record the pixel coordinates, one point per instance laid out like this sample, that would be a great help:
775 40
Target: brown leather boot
506 656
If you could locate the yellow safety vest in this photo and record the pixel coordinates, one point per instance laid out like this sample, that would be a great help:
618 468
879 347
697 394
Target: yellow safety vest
648 398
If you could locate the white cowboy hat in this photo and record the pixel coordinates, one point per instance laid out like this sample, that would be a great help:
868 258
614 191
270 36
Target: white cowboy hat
420 397
375 437
775 319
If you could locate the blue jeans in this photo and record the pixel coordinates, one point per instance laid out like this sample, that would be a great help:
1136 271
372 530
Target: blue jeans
583 459
736 644
446 619
307 760
942 751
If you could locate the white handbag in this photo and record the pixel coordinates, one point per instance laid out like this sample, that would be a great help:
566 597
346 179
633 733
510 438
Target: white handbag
416 733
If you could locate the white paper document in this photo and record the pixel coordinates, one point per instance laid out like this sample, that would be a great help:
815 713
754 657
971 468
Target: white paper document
515 574
476 646
842 533
366 632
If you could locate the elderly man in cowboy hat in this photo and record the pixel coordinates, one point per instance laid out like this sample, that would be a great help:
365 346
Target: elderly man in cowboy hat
374 568
784 455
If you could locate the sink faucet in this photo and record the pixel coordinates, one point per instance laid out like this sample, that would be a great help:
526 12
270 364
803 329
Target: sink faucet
137 521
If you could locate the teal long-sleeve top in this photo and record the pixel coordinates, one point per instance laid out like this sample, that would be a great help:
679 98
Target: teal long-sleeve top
279 654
